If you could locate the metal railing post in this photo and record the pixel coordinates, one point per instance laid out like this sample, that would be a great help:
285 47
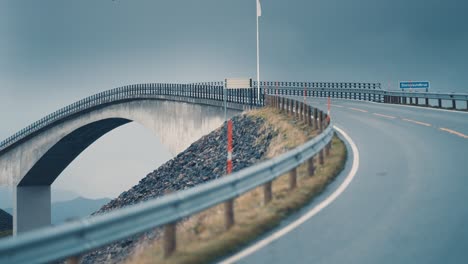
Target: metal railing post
267 193
169 240
73 260
228 214
311 166
315 118
293 179
321 153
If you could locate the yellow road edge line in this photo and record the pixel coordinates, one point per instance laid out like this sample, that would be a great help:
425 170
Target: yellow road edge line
417 122
386 116
359 110
454 132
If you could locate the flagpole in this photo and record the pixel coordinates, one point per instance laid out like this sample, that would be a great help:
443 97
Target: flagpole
258 61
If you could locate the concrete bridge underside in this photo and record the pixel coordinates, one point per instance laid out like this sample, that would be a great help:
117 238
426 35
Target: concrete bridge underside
33 165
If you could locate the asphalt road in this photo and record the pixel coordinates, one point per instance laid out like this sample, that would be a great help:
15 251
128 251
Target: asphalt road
407 202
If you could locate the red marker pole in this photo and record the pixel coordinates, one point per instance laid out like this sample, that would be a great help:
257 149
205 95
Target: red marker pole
229 147
229 205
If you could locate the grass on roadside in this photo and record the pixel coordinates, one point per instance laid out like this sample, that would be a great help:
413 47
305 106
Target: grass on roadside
202 237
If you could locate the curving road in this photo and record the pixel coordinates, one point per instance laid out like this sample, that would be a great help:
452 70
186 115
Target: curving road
407 202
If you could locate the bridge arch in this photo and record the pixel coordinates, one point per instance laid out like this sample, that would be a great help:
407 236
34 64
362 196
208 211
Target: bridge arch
34 164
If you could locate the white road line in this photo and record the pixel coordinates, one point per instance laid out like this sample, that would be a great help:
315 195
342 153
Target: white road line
264 242
454 132
417 122
339 106
386 116
421 107
400 105
357 109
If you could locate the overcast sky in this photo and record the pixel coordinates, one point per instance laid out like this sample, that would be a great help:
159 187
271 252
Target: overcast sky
54 52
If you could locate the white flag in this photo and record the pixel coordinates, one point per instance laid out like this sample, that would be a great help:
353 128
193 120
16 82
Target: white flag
259 8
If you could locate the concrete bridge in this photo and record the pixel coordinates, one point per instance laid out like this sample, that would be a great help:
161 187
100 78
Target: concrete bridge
31 160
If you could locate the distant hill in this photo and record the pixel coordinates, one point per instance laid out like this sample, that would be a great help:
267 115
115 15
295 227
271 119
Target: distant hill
6 223
77 208
58 195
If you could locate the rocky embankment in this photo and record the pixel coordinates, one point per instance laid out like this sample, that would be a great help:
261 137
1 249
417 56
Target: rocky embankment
203 161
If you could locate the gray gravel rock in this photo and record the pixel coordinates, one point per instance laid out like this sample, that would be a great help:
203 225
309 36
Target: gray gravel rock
203 161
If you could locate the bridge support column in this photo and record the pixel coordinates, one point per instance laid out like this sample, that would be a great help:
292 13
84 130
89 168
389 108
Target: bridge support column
411 100
454 104
427 102
439 103
31 208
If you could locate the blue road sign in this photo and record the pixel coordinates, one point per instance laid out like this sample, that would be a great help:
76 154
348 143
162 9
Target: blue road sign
415 85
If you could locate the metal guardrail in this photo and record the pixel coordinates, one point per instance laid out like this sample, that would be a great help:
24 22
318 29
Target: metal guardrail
71 239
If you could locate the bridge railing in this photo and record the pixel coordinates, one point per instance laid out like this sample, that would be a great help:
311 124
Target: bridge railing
212 91
367 92
75 238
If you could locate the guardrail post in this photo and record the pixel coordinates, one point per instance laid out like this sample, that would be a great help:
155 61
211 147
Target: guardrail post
296 108
228 214
293 113
321 154
169 240
320 122
286 106
267 192
311 166
316 118
73 260
293 179
305 112
301 111
169 237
